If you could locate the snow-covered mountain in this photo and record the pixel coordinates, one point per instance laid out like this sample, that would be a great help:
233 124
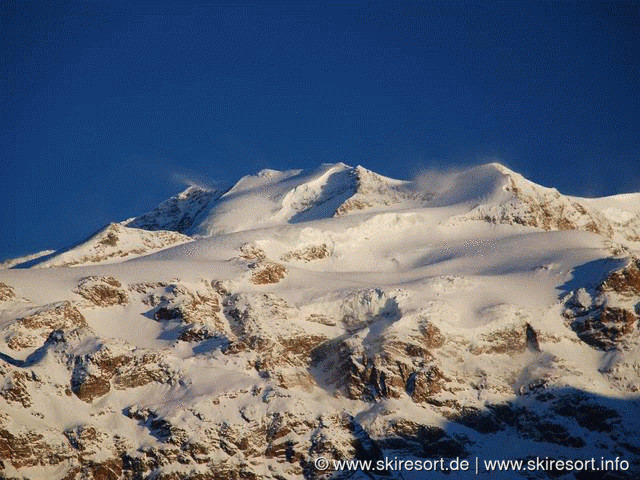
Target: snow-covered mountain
335 313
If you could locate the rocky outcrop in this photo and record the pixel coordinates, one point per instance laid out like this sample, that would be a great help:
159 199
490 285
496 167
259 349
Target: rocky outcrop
102 291
307 254
119 367
268 273
6 293
606 317
116 242
31 449
30 330
177 213
197 307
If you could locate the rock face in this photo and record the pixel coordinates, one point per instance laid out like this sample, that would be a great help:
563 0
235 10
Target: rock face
177 213
113 243
6 292
607 317
336 314
32 329
102 291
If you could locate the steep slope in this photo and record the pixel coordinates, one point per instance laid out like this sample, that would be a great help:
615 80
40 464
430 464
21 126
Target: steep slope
178 213
113 243
271 198
499 195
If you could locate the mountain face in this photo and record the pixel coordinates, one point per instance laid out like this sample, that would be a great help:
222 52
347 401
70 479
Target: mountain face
335 313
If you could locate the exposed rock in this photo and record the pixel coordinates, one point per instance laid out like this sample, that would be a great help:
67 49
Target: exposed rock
606 318
400 368
424 441
30 330
420 362
507 340
251 252
532 339
13 385
543 208
55 316
6 293
102 291
307 254
373 190
177 213
114 242
433 338
29 449
95 374
197 333
524 421
625 281
199 308
607 328
594 417
268 273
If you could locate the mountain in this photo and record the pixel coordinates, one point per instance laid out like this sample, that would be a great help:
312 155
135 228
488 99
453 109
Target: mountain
335 313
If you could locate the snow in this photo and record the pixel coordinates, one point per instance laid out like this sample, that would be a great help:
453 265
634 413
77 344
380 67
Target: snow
401 260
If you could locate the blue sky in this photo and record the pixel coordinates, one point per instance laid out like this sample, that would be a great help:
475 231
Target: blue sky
107 106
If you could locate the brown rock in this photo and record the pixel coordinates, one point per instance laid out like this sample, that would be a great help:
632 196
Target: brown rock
605 328
509 340
307 254
102 291
6 293
268 273
15 387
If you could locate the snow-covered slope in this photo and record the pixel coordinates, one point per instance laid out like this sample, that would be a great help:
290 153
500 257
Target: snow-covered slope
271 198
335 313
114 243
178 213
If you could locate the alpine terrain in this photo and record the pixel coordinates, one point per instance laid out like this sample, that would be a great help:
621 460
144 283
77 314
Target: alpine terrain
245 333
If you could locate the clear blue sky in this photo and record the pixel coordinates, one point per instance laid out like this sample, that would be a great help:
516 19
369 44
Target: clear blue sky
105 105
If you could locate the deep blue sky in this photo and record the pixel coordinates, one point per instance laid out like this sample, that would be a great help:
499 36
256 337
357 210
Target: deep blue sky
105 105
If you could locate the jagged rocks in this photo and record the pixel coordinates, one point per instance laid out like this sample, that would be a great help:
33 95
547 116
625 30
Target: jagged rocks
497 417
361 308
425 441
547 209
178 212
307 254
251 252
587 414
114 242
116 367
29 449
263 270
607 317
14 385
268 273
606 328
399 368
192 306
30 330
507 340
6 293
102 291
625 281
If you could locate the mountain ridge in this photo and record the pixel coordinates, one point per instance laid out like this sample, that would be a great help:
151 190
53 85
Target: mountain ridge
489 192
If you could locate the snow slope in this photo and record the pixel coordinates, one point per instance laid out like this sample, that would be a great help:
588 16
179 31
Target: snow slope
335 313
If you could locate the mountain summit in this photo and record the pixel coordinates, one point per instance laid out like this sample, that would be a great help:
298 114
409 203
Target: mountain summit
335 314
490 193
